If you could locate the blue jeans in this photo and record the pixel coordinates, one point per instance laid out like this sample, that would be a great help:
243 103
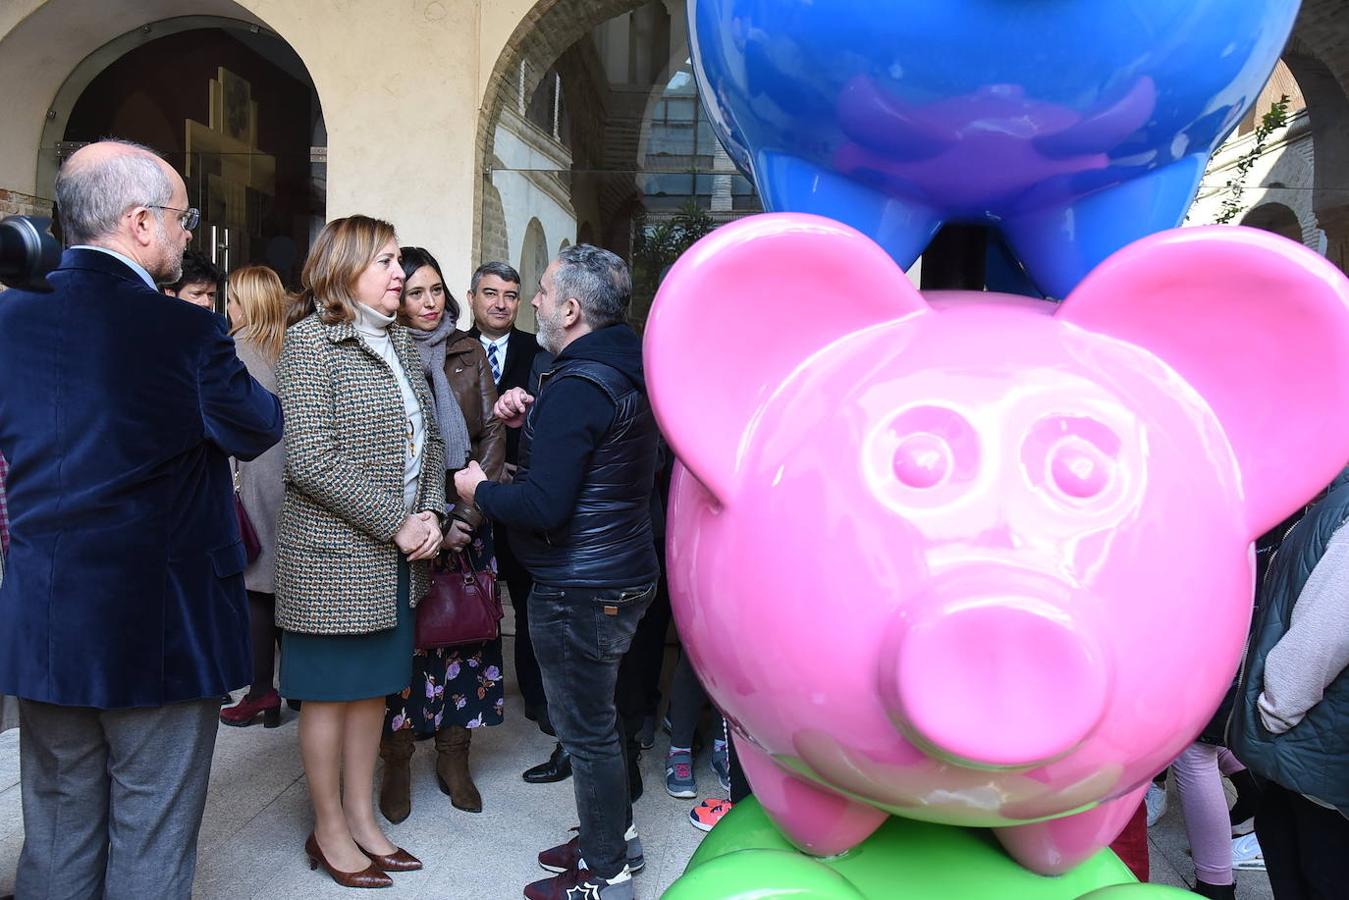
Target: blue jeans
580 636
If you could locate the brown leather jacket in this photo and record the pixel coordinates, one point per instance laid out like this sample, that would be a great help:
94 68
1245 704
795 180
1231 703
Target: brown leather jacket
470 378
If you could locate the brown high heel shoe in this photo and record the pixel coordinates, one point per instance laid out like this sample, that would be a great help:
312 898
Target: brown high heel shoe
369 877
398 861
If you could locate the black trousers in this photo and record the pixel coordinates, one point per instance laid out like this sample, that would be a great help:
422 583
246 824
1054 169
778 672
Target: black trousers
519 582
1306 846
638 691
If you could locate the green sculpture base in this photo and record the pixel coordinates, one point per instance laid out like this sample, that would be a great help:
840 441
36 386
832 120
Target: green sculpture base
746 858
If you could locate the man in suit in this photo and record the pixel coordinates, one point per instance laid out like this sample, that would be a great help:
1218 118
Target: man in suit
494 296
122 614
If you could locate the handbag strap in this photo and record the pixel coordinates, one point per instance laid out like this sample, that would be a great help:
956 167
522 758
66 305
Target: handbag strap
462 566
470 574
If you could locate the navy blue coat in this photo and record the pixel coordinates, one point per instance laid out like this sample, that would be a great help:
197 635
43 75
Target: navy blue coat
119 408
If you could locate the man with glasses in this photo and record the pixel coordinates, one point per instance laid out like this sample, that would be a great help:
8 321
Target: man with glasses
123 616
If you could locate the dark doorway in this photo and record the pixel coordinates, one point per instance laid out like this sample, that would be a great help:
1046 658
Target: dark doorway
234 110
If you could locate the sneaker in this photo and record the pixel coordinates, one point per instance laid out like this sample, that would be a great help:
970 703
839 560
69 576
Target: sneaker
579 883
646 737
721 764
1155 799
708 813
568 856
679 781
1247 855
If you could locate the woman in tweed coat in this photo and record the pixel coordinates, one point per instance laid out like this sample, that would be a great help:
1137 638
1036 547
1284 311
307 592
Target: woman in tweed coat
364 497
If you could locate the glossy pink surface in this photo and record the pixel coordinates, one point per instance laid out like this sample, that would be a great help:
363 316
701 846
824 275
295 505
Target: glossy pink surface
973 558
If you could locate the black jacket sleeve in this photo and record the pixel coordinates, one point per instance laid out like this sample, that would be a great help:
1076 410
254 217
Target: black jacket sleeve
567 429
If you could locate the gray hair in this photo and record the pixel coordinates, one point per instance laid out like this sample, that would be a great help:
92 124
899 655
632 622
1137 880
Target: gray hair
499 269
598 279
92 197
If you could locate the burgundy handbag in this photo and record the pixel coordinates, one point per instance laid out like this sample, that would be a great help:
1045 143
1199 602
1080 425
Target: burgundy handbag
247 533
463 607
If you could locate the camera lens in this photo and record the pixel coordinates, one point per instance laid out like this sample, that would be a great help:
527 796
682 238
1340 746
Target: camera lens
27 252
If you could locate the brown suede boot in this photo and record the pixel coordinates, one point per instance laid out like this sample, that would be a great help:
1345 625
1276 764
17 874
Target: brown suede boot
452 768
395 788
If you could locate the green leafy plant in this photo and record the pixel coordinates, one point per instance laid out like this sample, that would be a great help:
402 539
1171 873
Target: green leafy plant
1271 121
656 246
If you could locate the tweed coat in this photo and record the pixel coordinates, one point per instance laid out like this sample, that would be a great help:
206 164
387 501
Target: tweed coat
346 436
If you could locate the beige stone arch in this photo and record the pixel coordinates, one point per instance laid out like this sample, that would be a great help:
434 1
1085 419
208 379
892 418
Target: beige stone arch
89 68
1276 218
542 34
1318 56
534 259
50 50
377 67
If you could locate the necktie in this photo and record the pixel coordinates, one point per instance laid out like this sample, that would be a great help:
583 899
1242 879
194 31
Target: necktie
492 359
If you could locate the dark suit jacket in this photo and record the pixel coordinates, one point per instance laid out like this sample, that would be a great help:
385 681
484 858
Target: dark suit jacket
520 351
119 408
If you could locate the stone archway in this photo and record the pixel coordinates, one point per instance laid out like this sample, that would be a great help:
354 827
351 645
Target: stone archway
1318 56
51 49
538 41
1276 218
534 259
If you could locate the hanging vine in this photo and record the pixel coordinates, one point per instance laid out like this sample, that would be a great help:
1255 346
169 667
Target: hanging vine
1273 120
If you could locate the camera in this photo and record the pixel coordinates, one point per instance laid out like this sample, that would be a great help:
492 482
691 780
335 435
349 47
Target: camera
27 252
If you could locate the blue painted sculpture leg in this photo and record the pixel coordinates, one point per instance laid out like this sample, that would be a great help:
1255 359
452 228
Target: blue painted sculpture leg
1060 245
818 821
903 228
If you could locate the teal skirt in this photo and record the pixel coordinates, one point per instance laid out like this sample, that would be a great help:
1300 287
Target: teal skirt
346 667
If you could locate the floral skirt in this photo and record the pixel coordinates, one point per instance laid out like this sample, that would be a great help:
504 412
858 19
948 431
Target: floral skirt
461 685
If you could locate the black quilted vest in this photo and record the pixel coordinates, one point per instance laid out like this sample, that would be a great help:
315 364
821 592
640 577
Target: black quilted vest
1312 757
608 541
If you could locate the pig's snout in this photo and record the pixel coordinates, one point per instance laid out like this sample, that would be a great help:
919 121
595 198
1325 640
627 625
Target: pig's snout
1004 684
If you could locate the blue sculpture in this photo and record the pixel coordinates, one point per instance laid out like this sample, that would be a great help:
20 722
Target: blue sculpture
1073 126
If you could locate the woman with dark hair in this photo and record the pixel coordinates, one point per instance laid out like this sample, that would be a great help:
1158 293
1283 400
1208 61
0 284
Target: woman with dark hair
360 521
454 689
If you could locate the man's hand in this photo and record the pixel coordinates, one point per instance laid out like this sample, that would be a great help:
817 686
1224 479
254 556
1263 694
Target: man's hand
512 406
467 479
457 535
509 474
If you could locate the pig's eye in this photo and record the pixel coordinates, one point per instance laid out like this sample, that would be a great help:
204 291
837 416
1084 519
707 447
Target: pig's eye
930 449
1078 468
922 460
1072 457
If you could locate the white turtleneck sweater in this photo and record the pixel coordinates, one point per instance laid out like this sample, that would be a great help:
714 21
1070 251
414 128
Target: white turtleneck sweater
373 327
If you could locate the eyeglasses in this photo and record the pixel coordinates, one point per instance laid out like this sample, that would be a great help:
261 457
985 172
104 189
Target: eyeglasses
188 218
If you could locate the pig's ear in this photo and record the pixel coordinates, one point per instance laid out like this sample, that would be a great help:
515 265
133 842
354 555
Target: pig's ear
744 308
1259 327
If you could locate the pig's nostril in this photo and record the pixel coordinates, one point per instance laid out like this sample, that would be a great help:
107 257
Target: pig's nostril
1000 685
922 460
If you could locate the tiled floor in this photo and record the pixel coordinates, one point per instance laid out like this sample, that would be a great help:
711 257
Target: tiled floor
257 816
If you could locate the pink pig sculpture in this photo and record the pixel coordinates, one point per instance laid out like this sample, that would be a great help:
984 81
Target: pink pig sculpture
971 558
